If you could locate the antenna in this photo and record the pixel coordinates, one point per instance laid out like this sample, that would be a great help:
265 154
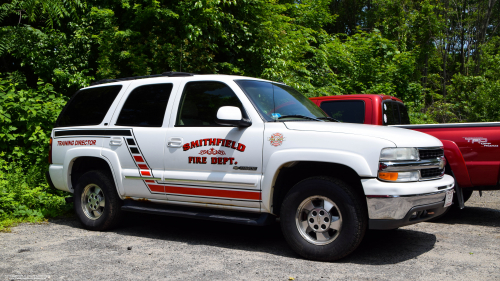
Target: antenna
180 60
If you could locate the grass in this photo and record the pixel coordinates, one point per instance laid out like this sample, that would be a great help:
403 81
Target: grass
26 197
7 224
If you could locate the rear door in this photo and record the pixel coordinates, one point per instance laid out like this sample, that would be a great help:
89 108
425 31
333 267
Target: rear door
142 120
207 163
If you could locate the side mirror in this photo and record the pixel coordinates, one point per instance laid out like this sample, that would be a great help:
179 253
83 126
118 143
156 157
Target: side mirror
231 116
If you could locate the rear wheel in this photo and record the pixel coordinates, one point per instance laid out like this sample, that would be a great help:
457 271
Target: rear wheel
322 219
97 204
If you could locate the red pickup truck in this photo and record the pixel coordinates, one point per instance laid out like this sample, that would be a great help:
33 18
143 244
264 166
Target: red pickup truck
471 149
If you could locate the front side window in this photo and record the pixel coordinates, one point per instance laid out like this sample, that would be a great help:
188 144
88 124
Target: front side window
88 106
352 111
279 102
200 102
145 106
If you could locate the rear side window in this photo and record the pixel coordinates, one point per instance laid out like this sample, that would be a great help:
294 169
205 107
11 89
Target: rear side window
395 113
88 107
345 111
403 113
145 106
201 101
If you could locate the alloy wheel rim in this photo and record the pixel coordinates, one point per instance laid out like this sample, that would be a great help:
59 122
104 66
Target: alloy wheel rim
93 201
318 220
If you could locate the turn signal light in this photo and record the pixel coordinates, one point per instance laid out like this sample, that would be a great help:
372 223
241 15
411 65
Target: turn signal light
399 176
388 176
50 151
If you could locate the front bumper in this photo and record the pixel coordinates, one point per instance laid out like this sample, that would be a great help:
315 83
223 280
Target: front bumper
401 205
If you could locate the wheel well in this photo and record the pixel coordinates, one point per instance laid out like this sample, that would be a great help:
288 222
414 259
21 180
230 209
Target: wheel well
447 168
294 172
84 164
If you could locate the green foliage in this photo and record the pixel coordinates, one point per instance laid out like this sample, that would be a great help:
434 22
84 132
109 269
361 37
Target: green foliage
26 120
24 197
368 63
50 11
421 52
260 38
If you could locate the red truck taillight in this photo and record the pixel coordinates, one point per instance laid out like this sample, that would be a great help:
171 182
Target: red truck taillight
50 151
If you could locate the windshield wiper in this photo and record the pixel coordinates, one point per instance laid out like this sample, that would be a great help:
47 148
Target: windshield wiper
299 116
330 118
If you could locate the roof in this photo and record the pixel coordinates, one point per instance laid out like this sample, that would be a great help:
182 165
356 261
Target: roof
164 74
196 77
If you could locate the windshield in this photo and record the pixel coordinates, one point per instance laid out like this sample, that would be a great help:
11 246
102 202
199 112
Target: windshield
280 102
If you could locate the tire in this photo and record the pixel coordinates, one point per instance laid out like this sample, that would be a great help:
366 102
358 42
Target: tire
467 194
97 204
453 209
305 208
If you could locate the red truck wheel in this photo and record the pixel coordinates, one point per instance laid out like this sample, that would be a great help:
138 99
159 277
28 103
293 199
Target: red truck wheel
467 194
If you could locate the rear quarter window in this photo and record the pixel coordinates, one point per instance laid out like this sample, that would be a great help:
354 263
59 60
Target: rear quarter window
395 113
352 111
88 106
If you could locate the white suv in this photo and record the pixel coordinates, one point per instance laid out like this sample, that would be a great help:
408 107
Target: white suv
243 150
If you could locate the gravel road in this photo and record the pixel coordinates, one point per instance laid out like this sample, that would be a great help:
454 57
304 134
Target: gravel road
464 246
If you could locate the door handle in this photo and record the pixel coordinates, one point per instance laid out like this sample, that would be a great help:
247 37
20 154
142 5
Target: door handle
174 142
116 141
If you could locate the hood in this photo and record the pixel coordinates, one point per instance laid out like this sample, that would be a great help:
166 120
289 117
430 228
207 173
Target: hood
400 137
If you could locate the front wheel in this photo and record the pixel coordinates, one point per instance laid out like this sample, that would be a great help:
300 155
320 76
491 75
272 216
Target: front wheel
322 219
467 194
97 204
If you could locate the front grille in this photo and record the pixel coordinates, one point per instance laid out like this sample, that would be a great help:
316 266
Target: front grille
431 173
430 153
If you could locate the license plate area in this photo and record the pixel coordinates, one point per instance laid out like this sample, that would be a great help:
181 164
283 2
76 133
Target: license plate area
449 198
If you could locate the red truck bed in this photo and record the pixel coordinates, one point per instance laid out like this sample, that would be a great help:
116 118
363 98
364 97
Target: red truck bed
471 149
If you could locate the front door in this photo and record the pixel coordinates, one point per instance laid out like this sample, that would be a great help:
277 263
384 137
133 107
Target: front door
207 163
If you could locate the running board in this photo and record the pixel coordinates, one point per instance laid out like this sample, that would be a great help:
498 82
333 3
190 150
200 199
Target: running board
198 213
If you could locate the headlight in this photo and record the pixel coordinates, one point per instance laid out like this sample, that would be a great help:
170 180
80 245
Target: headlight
394 155
398 154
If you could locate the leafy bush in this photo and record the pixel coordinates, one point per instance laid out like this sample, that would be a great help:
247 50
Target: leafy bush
369 63
25 196
26 120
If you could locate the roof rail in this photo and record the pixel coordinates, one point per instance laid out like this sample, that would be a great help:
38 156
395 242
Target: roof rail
167 74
